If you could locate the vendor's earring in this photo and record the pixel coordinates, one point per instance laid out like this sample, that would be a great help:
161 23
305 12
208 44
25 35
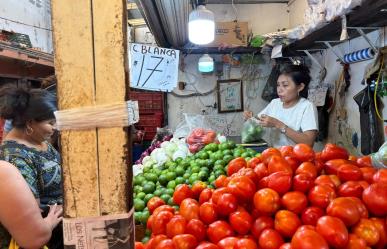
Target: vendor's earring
29 130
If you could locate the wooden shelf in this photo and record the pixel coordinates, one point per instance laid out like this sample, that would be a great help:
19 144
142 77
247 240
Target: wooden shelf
372 13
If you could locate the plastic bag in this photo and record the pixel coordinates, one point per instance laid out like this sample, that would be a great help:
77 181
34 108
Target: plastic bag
379 159
251 131
200 137
190 122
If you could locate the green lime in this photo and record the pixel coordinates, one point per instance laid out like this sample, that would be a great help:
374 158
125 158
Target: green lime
219 172
184 164
148 197
227 158
137 217
140 195
193 178
176 207
139 179
144 215
149 187
220 162
195 169
163 180
169 191
171 184
186 175
204 155
223 146
231 145
179 171
203 175
152 177
165 197
137 189
148 232
179 180
146 170
218 167
211 179
218 155
139 205
205 169
248 158
158 192
170 202
145 240
245 154
227 152
193 164
171 176
157 171
178 160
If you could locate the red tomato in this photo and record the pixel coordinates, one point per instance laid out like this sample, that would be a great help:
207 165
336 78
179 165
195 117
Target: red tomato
139 245
261 170
153 242
241 222
375 198
182 192
333 230
311 215
154 203
382 228
189 209
319 166
246 243
307 168
286 223
149 222
163 208
160 221
364 161
207 245
350 189
355 242
321 195
270 239
345 209
308 238
166 244
268 153
176 226
293 162
367 230
325 180
197 188
332 151
364 184
294 201
333 165
263 183
286 246
185 241
260 224
242 187
380 176
281 182
266 201
217 193
349 172
335 179
228 243
352 158
303 152
208 213
219 230
249 172
205 195
302 183
197 229
360 206
235 165
226 204
286 151
368 174
278 164
253 162
219 182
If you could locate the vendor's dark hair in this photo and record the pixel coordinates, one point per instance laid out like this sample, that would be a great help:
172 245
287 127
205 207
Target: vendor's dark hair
299 74
21 105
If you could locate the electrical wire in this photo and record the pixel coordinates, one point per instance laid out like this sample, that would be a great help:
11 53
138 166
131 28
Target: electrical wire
22 23
235 10
376 89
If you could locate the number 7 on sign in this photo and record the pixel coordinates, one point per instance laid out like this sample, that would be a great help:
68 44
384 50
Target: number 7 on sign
149 69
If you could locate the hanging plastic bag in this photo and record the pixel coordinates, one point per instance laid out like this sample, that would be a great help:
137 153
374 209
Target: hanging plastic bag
251 131
379 159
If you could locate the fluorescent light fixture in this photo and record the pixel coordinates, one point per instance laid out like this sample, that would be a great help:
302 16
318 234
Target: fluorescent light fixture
206 64
201 26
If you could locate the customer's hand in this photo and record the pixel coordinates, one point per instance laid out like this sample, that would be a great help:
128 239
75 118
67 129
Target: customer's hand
247 114
54 215
267 121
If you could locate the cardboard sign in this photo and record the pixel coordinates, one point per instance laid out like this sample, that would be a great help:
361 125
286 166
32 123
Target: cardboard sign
230 33
153 68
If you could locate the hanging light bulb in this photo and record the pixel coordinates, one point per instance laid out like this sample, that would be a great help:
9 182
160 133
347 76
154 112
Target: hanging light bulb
206 64
201 26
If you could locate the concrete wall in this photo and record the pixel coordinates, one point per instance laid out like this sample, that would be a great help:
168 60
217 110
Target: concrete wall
297 12
33 13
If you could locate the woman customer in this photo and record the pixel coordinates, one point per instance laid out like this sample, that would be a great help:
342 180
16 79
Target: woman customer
291 118
20 216
26 146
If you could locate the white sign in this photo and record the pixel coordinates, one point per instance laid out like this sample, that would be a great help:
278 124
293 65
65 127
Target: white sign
153 68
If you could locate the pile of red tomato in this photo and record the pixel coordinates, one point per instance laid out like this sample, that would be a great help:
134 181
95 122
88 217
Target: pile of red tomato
287 198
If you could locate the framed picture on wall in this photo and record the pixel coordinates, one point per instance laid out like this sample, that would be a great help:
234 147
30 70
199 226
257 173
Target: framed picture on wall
230 96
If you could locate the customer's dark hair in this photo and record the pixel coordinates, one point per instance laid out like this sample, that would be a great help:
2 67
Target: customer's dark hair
22 105
299 74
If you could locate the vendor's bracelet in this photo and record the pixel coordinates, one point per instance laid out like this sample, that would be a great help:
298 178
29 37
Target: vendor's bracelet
283 129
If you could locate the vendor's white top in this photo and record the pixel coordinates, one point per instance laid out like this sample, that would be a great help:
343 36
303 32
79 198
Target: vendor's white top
300 117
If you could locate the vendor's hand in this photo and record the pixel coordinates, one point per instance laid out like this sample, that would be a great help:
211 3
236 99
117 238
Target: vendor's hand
267 121
247 115
54 215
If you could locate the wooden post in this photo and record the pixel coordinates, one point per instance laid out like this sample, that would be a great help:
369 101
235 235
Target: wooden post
91 68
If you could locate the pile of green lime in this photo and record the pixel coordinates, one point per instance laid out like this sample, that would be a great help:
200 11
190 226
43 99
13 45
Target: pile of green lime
206 165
